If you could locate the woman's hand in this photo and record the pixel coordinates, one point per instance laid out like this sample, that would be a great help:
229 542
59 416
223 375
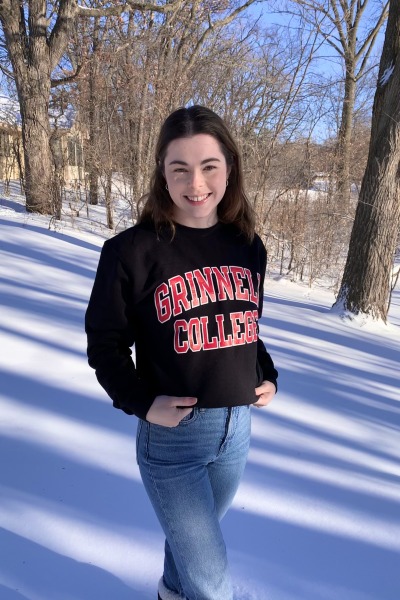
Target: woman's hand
170 410
265 392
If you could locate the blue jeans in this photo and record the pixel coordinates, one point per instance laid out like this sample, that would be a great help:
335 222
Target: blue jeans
191 473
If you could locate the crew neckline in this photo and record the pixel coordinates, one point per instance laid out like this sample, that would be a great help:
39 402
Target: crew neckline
200 231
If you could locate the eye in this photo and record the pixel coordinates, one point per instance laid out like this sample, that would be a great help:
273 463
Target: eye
210 167
179 170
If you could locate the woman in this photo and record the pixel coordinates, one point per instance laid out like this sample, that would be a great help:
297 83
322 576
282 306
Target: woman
185 286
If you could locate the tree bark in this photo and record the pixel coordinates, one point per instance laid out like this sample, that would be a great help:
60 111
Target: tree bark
365 286
35 50
93 120
40 181
340 22
31 61
344 140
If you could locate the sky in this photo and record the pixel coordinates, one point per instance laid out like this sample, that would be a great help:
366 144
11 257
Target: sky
317 515
328 67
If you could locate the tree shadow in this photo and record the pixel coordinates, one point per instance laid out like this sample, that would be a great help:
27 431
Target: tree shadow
76 524
47 232
53 491
12 205
34 255
35 571
324 464
296 562
8 593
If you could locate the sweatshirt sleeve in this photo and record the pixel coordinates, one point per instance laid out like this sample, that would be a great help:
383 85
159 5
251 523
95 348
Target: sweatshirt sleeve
265 364
110 335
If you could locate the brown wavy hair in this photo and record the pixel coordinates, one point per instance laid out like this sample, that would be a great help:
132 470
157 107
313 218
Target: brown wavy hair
234 207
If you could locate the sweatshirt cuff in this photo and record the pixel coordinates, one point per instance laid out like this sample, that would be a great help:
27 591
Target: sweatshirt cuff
274 381
138 407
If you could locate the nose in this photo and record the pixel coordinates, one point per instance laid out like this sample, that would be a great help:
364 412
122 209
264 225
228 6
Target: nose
196 179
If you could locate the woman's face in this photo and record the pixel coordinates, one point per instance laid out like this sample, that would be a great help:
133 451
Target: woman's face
196 173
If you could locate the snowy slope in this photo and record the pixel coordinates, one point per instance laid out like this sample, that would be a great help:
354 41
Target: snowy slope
317 516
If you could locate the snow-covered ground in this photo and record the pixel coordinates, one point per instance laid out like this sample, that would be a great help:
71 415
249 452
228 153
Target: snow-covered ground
317 516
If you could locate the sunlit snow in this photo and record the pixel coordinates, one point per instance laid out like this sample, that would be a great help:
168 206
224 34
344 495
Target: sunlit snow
386 75
317 516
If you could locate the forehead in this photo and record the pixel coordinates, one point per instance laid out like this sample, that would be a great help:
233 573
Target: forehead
193 149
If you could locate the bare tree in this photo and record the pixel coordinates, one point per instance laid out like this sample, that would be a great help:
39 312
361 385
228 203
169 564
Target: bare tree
261 83
266 88
366 282
36 35
350 28
147 65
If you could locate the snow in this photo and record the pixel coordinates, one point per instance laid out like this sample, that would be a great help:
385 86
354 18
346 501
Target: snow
317 516
386 75
9 111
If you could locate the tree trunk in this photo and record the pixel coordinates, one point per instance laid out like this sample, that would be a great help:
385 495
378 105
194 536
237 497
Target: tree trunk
39 165
108 200
365 286
30 55
93 148
344 141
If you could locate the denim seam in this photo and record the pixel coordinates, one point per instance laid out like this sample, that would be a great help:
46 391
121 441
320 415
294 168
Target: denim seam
161 503
138 432
193 417
225 437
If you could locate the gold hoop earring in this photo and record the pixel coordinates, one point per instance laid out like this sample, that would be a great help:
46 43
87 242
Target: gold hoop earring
166 187
227 182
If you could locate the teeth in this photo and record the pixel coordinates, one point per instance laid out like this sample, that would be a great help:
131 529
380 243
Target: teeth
197 198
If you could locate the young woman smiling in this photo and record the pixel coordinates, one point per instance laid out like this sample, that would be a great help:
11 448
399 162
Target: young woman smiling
185 286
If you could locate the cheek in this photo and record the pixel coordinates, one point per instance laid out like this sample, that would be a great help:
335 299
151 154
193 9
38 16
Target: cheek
221 181
175 179
170 183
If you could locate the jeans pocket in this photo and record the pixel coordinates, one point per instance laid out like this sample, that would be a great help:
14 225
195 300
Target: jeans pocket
138 430
192 416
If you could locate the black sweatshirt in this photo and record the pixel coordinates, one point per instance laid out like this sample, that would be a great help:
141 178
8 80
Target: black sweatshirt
190 306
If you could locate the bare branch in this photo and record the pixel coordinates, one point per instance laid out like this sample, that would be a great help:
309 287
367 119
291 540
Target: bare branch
6 71
338 24
316 8
58 41
112 11
359 13
67 79
69 10
212 26
12 19
371 37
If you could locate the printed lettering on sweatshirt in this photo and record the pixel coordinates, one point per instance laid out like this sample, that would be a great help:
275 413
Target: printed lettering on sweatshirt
182 293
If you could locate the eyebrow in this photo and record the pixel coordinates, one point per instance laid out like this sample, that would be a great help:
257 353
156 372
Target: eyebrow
203 162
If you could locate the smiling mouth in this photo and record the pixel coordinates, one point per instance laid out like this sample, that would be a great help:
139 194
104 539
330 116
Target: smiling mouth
198 199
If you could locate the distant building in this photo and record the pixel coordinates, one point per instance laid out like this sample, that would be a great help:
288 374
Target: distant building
68 153
67 143
11 153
